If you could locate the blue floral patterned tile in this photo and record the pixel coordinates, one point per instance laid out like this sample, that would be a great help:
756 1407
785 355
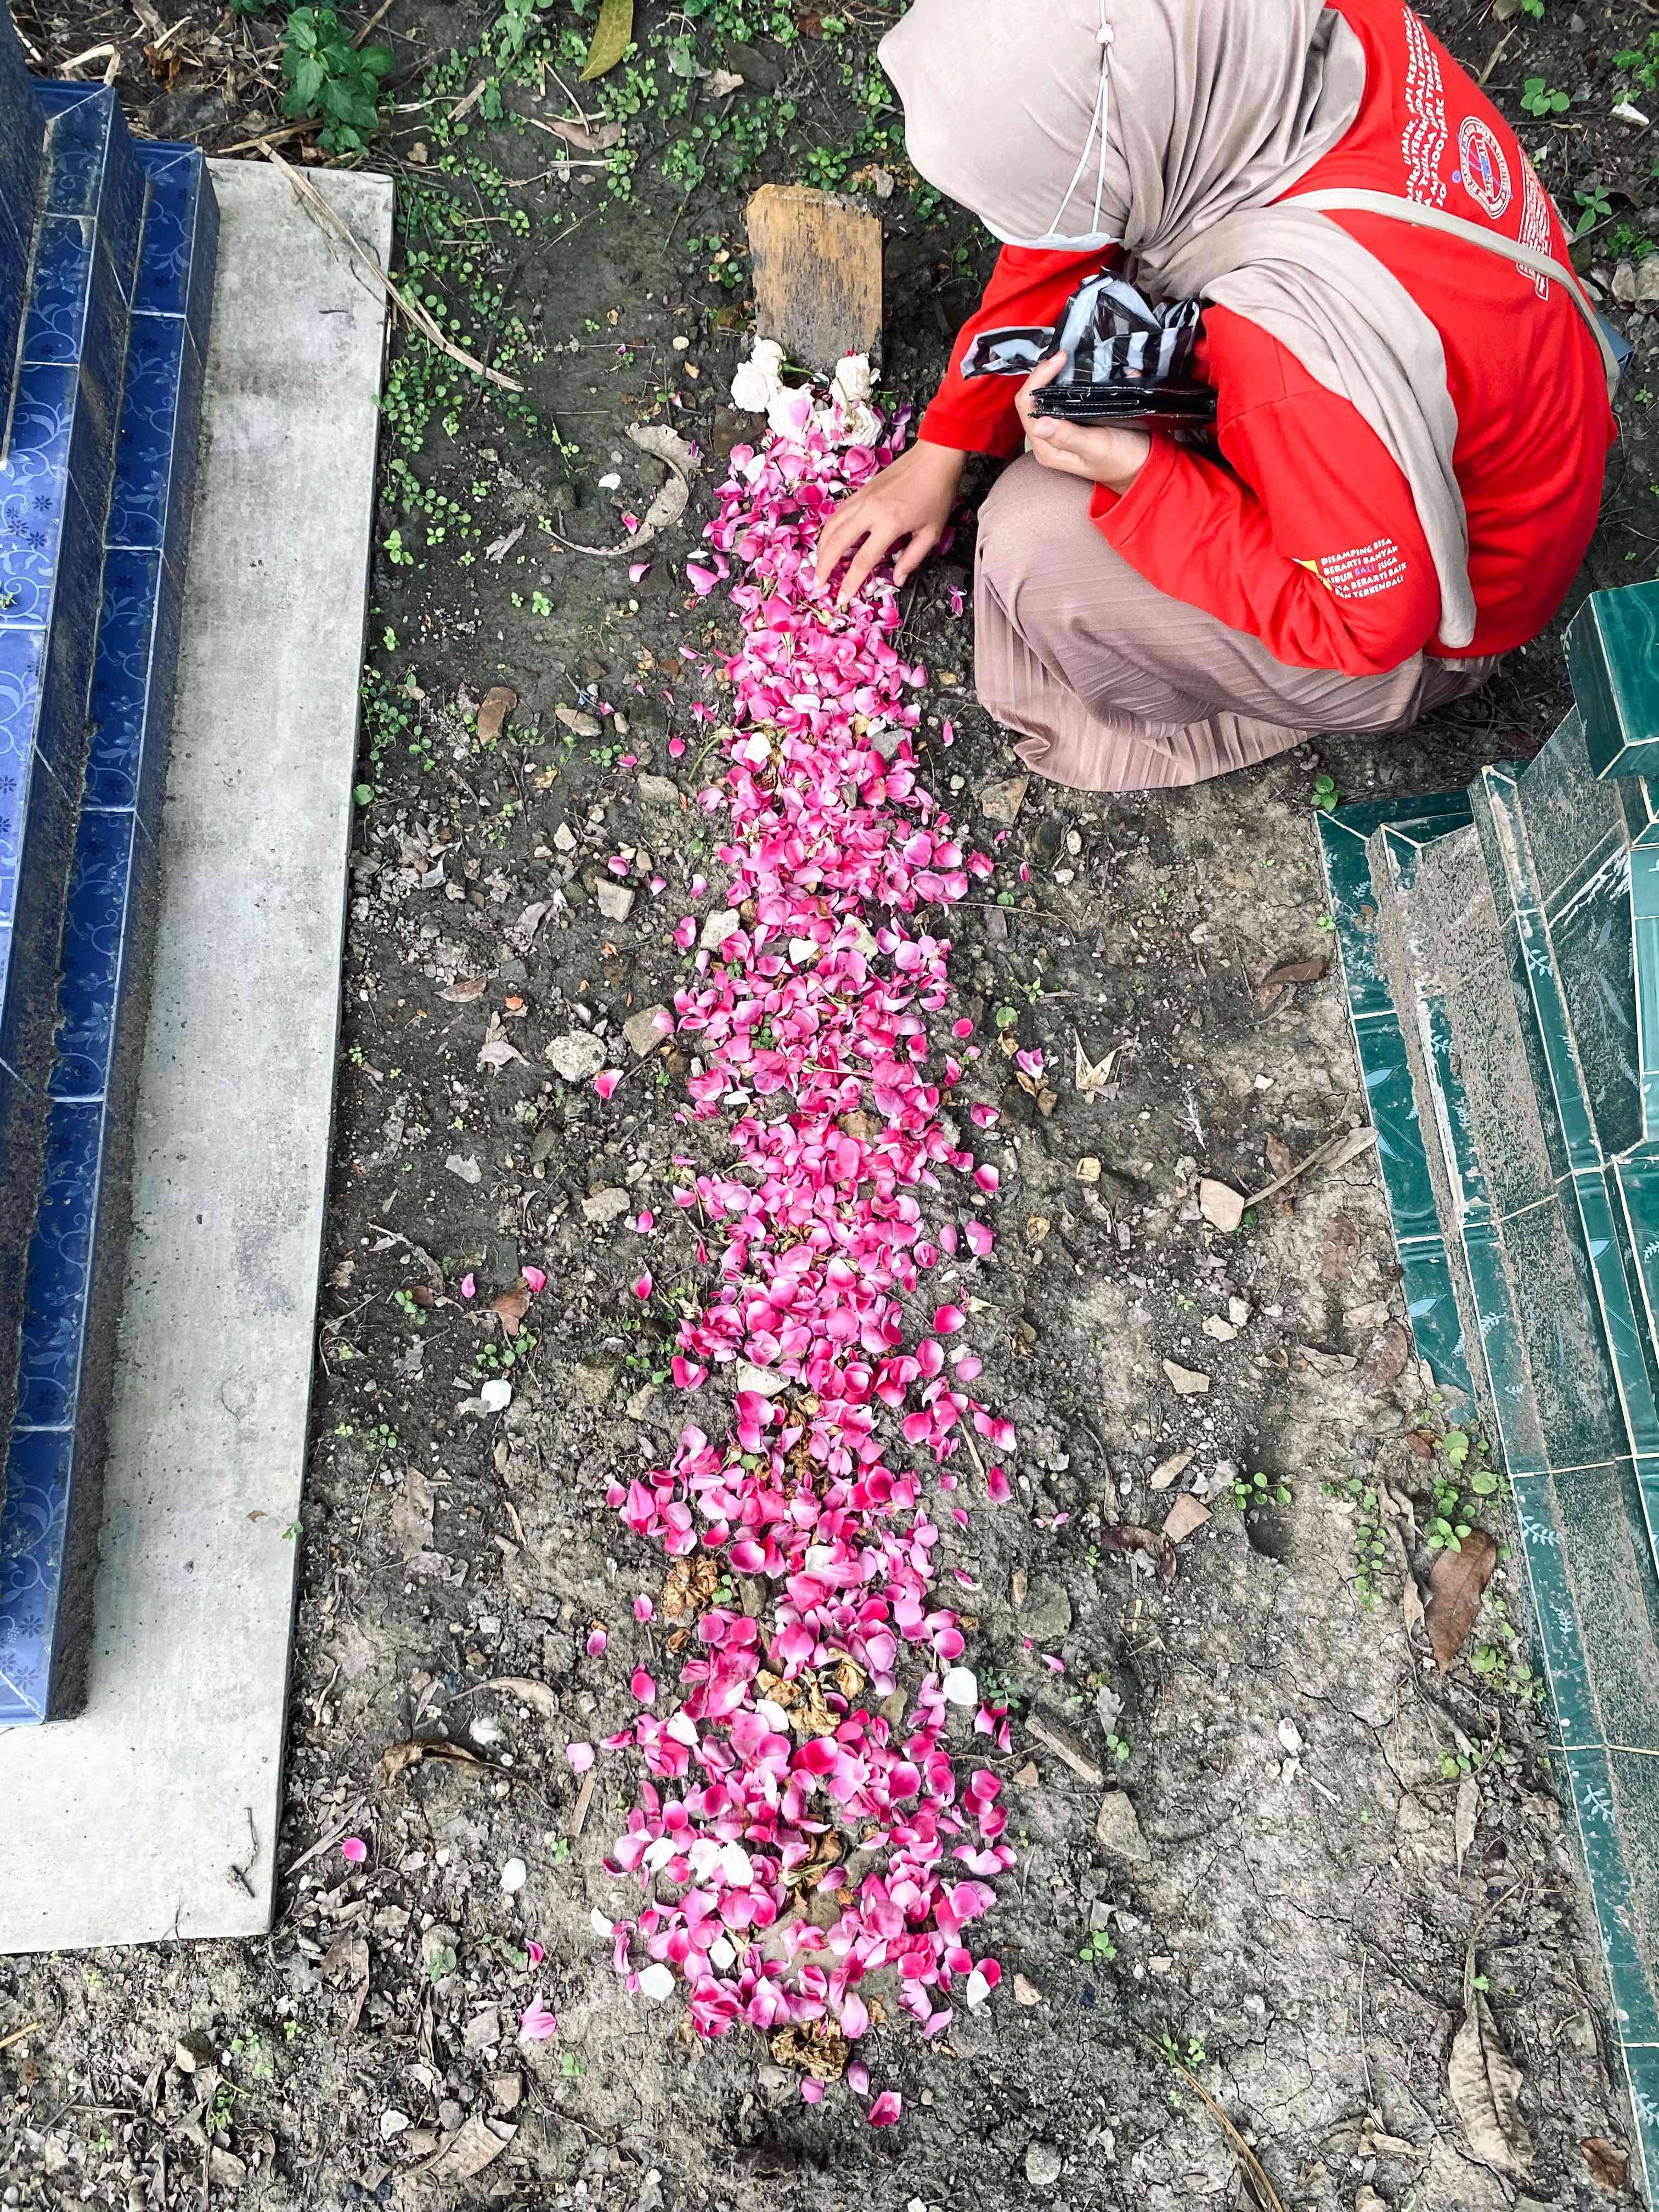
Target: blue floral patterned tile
181 498
121 677
77 145
33 1527
22 125
60 1267
28 1014
182 239
23 676
61 734
1611 1794
34 491
56 322
103 361
121 205
156 366
158 709
1354 909
95 930
1544 1547
1464 1172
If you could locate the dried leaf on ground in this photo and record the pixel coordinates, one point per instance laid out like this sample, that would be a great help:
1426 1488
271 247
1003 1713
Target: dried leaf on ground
1280 1157
1222 1207
497 1049
1455 1585
512 1306
1187 1382
397 1757
527 1690
521 933
499 547
1608 2164
1124 1536
1411 1604
1094 1077
1274 984
1464 1818
612 36
1339 1250
498 703
473 2146
411 1517
666 446
586 138
1063 1749
1486 2088
1386 1357
346 1966
463 988
1166 1471
1186 1515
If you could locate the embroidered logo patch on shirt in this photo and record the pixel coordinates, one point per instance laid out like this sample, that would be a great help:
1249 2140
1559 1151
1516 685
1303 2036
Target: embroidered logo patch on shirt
1483 172
1363 571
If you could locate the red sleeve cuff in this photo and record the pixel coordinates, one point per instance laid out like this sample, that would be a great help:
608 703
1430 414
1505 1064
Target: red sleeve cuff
1118 515
945 423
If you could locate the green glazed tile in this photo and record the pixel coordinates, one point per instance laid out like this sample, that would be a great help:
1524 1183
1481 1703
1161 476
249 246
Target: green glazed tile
1578 1408
1637 1184
1590 934
1544 1547
1625 1314
1451 1110
1612 657
1636 803
1642 2079
1643 876
1566 1091
1354 909
1540 1088
1431 1308
1613 1797
1615 1598
1386 1075
1503 842
1509 1385
1647 1482
1564 813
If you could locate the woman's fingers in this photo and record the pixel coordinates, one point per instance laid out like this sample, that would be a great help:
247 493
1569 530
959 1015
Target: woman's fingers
879 539
1060 445
1044 372
923 543
839 535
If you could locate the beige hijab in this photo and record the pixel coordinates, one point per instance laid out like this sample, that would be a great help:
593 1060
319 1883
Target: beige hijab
1173 126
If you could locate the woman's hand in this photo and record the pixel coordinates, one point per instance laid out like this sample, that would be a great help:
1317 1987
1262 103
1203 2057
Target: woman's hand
911 499
1104 455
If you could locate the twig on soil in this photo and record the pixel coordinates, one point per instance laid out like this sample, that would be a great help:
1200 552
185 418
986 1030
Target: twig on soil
584 1798
1084 1769
1335 1152
324 1842
373 20
29 2027
271 137
411 309
1247 2157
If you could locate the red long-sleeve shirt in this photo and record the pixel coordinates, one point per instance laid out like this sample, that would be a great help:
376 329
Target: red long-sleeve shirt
1307 537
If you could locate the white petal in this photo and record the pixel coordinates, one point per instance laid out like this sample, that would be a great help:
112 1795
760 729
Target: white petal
978 1988
599 1925
961 1685
514 1874
656 1982
736 1866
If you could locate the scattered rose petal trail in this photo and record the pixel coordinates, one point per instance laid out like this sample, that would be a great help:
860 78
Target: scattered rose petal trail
814 1836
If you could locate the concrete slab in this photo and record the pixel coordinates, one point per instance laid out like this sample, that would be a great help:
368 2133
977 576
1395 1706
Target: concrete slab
153 1814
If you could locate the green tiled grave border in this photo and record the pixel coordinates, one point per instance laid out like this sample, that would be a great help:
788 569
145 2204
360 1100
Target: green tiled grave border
1589 1528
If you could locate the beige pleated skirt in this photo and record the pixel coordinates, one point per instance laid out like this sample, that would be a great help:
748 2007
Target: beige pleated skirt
1112 686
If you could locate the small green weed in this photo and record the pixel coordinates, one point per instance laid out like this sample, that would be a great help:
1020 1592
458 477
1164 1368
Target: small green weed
1257 1489
1326 797
327 75
1538 99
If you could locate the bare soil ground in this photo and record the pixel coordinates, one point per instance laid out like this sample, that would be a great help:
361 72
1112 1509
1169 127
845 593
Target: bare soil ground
1265 1912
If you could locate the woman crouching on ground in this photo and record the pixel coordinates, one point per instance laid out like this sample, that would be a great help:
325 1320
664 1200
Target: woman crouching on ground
1411 390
